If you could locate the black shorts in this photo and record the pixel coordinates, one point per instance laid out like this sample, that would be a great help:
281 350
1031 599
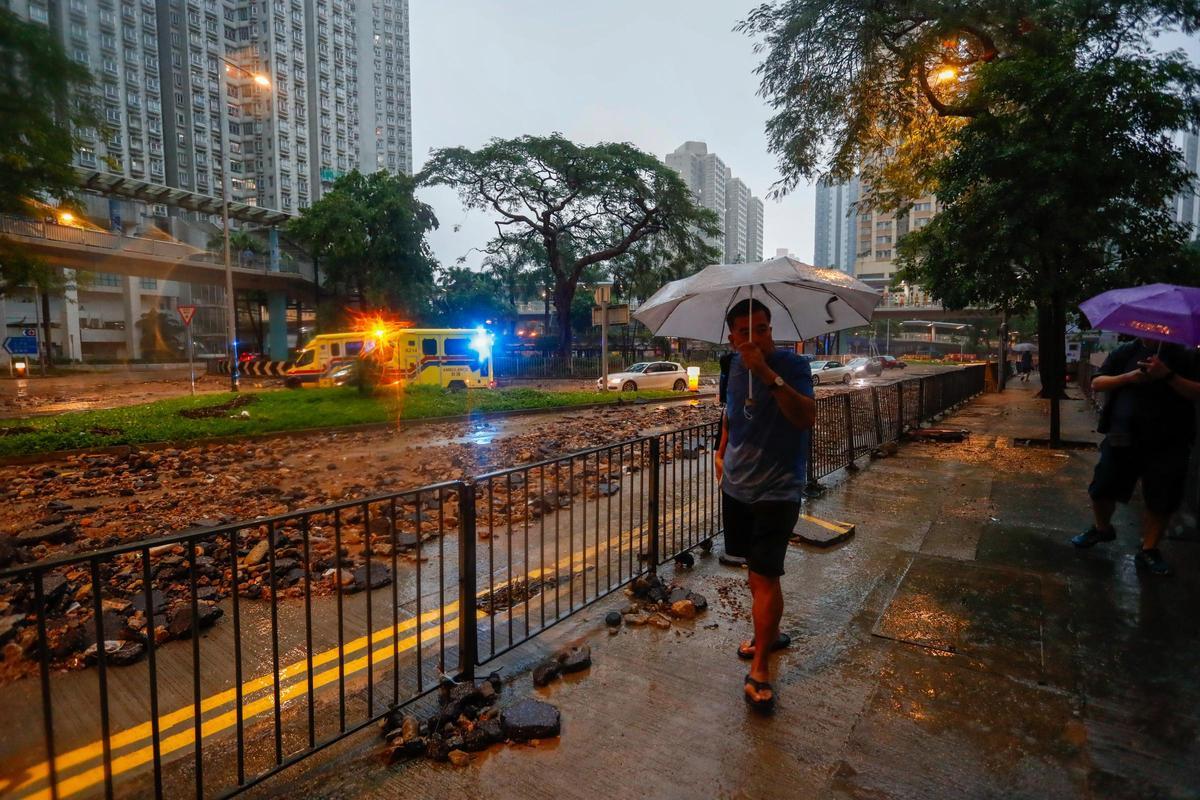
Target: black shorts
759 532
1163 473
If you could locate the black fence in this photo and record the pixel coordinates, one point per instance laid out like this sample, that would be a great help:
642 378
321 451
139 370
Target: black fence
556 366
853 424
227 654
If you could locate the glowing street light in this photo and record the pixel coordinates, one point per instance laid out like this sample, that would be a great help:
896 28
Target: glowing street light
66 218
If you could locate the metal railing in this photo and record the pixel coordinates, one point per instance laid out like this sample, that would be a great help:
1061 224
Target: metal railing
555 366
341 613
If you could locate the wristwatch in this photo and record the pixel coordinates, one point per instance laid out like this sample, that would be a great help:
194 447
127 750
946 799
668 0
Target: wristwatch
777 383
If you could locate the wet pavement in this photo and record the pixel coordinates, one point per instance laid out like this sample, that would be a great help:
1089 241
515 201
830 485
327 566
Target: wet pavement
957 645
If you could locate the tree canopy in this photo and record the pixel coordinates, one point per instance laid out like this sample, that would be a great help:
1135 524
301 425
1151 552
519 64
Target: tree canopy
44 102
1044 129
582 205
367 238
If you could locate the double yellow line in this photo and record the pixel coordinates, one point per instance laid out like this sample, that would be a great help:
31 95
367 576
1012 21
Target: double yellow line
381 647
251 708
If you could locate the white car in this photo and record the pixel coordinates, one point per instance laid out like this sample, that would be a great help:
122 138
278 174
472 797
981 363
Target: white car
829 372
647 375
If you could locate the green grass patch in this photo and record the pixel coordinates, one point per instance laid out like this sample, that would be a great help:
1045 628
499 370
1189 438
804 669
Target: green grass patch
177 420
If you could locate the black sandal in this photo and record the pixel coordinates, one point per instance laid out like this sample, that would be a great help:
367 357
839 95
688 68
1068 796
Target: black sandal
782 643
763 706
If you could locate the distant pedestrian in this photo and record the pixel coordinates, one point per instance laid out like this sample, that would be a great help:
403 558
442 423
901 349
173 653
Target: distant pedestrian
1026 365
761 470
1149 422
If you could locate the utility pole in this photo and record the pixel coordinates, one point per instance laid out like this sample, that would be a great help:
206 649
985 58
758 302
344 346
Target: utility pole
603 295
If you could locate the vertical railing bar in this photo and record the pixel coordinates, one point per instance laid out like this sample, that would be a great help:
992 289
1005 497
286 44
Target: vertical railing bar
275 645
557 545
571 530
102 673
152 666
468 628
542 538
512 573
341 634
491 612
525 526
305 529
420 602
39 602
195 633
370 593
239 712
395 632
441 577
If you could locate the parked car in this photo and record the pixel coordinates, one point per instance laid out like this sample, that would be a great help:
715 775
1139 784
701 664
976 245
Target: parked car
829 372
891 362
862 367
647 375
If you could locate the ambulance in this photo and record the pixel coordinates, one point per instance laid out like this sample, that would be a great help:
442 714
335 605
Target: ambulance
328 360
453 358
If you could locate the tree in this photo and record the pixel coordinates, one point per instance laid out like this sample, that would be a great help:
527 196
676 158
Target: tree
519 266
367 236
465 298
44 105
584 205
1044 130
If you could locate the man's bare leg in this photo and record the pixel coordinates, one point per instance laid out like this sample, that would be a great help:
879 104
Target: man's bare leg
767 611
1103 509
1153 526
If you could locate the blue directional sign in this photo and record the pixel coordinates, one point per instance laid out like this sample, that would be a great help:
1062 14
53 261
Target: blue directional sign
21 345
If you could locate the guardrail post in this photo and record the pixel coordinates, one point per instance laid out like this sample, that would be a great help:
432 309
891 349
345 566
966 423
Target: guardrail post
849 430
655 490
900 409
920 401
468 630
878 416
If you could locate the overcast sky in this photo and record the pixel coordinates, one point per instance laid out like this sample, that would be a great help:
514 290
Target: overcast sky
654 73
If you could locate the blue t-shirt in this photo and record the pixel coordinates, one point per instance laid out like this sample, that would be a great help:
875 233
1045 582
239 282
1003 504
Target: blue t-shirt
766 456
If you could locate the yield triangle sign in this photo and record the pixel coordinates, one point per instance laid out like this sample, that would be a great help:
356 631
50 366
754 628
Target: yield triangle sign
186 313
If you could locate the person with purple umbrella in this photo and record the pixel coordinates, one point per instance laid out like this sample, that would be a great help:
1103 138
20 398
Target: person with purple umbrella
1149 424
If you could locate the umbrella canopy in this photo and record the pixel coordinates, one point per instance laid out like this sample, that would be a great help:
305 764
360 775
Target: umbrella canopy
1157 311
804 301
1024 347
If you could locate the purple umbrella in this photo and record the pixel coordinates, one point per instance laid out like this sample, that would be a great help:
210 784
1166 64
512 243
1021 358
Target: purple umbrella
1158 311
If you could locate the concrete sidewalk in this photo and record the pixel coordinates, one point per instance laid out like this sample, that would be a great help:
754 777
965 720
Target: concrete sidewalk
956 646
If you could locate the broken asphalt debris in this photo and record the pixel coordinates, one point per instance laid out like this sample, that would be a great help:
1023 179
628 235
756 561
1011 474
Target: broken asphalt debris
467 721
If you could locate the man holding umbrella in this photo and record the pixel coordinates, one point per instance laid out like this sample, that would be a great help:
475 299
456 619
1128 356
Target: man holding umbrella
761 466
1149 419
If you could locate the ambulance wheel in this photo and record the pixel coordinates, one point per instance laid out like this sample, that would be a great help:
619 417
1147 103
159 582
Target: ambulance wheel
457 386
680 385
291 383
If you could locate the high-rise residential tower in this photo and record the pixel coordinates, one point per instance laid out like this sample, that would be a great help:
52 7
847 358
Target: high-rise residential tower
1187 203
177 88
836 228
739 213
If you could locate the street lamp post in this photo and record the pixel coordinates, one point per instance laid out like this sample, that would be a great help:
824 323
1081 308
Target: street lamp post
230 304
603 295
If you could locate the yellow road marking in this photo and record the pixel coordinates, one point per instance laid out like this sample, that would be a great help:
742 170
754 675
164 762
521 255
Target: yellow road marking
214 725
80 755
829 525
251 708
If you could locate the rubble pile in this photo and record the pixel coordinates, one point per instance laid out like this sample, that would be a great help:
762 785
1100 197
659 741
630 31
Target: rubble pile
467 721
659 604
85 502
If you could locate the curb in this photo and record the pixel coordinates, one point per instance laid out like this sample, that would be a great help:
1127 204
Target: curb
125 449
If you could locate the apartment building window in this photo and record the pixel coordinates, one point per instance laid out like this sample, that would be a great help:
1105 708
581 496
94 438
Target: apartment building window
882 254
38 13
105 279
148 283
87 156
184 178
883 240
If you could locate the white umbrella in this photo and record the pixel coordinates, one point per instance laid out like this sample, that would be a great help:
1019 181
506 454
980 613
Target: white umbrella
1024 347
804 301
